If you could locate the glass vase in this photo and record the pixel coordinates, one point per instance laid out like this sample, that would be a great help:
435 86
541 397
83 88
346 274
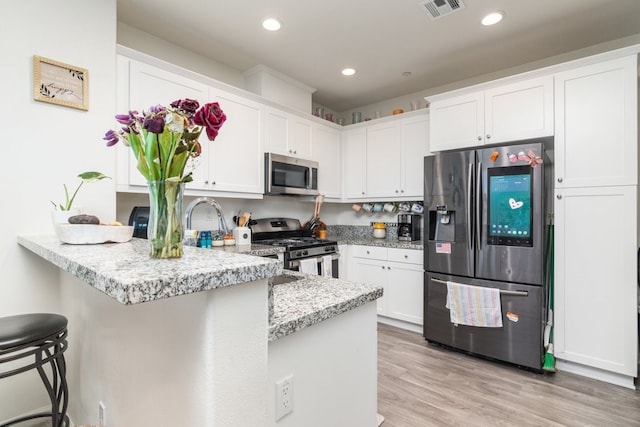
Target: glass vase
165 229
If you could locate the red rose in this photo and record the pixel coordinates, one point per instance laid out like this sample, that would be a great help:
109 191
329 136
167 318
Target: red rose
211 117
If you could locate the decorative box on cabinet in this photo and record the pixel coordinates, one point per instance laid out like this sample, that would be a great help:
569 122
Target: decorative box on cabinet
510 112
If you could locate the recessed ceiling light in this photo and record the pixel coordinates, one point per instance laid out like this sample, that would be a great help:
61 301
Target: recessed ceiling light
271 24
406 73
348 72
492 18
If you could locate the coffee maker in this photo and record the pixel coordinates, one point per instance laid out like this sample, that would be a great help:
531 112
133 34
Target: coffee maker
409 227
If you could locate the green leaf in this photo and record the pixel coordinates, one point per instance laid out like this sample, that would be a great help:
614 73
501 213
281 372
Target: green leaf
92 176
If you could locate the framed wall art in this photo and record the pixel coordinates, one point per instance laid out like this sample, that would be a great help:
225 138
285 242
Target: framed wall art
59 83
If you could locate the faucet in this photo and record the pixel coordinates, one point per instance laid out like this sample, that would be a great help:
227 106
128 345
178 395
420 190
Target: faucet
222 225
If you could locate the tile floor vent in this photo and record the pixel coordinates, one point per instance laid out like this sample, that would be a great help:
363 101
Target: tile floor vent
439 8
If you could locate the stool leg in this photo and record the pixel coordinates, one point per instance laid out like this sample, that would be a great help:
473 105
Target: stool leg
58 393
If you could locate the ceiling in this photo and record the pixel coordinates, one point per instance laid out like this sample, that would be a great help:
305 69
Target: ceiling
381 39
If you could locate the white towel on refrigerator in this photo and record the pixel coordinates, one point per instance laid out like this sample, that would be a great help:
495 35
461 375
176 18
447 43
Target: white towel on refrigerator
474 305
327 266
309 266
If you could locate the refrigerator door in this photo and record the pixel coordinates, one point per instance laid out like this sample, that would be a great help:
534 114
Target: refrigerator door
448 218
519 341
510 213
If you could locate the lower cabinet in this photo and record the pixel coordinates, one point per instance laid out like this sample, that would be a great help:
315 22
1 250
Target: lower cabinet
399 272
595 307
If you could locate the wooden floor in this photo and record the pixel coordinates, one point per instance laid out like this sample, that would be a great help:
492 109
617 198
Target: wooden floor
420 384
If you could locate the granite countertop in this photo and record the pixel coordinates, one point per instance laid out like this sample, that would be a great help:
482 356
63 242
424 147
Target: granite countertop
125 271
312 299
371 241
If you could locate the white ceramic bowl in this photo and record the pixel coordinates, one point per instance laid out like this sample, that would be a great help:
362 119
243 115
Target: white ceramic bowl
86 234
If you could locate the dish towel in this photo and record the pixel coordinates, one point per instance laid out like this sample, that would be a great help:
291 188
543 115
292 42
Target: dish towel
309 266
327 266
474 305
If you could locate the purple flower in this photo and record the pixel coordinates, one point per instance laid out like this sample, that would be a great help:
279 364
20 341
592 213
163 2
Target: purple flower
211 117
154 123
124 119
111 137
157 108
189 106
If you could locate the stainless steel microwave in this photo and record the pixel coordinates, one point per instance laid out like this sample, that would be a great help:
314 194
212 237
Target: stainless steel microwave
290 175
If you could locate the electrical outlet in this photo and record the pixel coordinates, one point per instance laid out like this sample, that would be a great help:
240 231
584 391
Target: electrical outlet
102 415
284 396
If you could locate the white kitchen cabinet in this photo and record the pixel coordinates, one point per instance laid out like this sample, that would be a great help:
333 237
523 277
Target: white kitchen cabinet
233 162
287 134
325 149
399 272
414 140
506 113
596 125
149 86
457 122
384 161
354 163
595 278
384 158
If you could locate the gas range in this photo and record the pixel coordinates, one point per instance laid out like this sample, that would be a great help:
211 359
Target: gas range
299 244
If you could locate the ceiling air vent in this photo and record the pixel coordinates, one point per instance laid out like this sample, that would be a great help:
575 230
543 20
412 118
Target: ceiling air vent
439 8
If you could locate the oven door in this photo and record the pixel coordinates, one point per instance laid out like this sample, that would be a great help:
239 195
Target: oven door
295 265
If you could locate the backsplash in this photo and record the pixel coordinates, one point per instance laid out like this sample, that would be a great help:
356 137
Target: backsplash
354 232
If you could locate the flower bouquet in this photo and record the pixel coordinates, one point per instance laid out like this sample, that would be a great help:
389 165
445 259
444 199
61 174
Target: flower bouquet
163 140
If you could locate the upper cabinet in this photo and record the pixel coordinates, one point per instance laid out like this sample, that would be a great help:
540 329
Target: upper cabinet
595 124
325 149
287 134
506 113
385 160
232 164
149 86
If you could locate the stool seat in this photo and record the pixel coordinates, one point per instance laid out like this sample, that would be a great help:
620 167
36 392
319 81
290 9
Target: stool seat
37 341
25 329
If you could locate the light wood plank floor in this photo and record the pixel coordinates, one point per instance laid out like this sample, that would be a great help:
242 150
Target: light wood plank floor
425 385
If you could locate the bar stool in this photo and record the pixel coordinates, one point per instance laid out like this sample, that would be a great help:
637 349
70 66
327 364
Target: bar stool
31 341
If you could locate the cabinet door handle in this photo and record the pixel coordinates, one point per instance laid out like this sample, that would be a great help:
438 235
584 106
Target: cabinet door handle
363 193
406 256
488 136
479 138
397 191
560 179
559 197
206 182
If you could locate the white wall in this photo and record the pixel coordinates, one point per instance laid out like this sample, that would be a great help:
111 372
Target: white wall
46 145
334 368
161 49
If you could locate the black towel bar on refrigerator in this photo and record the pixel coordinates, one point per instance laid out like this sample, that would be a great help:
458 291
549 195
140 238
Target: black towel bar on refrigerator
511 293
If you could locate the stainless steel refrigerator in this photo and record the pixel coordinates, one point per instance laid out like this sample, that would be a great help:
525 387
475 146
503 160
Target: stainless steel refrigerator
486 215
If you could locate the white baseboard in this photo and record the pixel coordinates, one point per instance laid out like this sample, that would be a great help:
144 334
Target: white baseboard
400 324
596 374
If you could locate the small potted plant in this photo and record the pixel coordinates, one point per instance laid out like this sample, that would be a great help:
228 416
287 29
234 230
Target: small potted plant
63 211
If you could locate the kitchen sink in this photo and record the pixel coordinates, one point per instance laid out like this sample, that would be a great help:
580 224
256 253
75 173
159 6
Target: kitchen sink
279 280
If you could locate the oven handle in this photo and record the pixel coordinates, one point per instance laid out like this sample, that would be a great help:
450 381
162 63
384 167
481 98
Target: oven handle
296 262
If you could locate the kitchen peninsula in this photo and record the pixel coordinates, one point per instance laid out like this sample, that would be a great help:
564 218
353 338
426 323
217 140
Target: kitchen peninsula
202 340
